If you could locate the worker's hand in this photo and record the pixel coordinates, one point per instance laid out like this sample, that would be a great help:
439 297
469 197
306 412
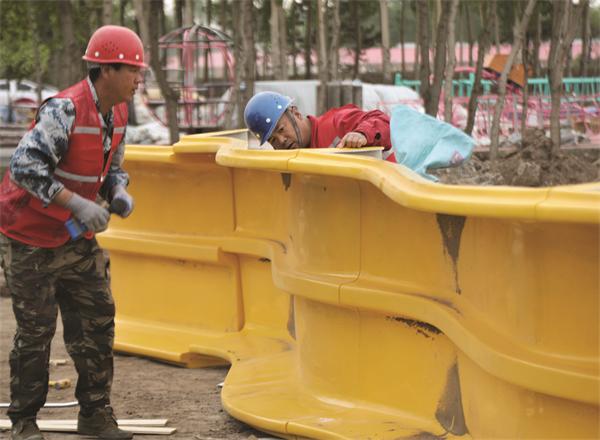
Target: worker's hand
353 139
122 199
93 216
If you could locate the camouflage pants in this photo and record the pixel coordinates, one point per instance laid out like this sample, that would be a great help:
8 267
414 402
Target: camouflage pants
73 278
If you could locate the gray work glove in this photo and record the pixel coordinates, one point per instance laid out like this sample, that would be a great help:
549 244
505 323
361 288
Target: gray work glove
93 216
122 199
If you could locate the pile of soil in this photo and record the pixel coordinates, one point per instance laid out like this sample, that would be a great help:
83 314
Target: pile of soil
530 163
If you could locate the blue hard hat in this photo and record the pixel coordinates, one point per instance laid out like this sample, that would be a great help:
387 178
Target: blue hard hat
263 112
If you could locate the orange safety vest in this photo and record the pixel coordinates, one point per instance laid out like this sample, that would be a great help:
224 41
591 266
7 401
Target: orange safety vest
82 169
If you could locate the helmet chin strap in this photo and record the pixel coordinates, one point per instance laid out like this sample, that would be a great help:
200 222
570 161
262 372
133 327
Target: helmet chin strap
296 128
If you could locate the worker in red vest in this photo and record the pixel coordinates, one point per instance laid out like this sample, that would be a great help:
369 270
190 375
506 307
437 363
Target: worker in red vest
271 117
71 155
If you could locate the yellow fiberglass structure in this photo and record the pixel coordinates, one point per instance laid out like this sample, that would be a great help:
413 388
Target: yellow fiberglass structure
355 300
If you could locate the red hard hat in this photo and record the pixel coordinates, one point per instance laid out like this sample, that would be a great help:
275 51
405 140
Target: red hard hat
115 44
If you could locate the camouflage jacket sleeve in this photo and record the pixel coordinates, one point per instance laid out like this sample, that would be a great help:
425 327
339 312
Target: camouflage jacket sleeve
33 162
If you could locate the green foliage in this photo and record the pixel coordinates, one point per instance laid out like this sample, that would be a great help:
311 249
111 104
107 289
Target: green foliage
17 58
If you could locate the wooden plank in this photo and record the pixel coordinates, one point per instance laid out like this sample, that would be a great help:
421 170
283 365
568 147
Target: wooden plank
52 427
125 422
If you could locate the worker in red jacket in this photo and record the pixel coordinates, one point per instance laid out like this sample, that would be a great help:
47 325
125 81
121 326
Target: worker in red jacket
271 117
71 155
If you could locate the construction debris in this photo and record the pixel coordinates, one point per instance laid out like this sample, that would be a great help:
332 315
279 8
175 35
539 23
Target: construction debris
60 384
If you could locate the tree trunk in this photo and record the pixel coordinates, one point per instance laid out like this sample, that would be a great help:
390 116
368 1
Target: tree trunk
334 49
525 96
435 18
469 32
35 39
71 65
432 107
178 13
585 38
564 21
249 50
385 41
451 50
188 13
276 41
358 40
283 43
518 32
402 24
148 21
122 9
424 69
417 62
569 61
308 40
223 12
162 19
207 60
482 47
461 34
537 39
496 27
293 48
238 56
322 55
107 11
208 15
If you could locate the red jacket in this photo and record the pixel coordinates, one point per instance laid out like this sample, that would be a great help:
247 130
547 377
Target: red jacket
82 169
374 125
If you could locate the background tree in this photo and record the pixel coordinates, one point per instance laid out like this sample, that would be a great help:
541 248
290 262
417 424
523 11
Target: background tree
518 35
322 56
147 13
402 23
484 42
334 47
585 39
107 11
564 25
423 38
278 41
249 52
451 44
430 91
70 53
385 42
308 36
188 13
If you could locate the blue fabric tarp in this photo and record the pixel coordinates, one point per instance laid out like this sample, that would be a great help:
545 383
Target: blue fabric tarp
420 141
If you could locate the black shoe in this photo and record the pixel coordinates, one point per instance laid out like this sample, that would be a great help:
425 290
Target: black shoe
101 424
26 429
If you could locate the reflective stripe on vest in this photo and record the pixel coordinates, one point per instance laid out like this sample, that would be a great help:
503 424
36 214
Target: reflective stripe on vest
118 130
78 177
86 130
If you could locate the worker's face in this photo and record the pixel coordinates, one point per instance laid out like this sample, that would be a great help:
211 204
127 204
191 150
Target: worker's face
125 82
284 136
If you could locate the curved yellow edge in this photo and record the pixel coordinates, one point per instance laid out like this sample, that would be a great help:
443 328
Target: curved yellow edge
355 299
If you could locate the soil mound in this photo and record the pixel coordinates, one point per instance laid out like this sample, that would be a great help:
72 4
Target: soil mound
530 163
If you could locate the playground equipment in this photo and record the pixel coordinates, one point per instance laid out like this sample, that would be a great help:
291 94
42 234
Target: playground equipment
199 66
354 299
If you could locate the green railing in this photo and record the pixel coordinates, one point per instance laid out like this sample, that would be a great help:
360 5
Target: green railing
537 86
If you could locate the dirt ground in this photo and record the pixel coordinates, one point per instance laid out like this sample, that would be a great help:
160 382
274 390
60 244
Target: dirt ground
142 388
530 164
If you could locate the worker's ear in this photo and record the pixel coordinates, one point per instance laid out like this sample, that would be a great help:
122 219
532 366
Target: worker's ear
295 112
